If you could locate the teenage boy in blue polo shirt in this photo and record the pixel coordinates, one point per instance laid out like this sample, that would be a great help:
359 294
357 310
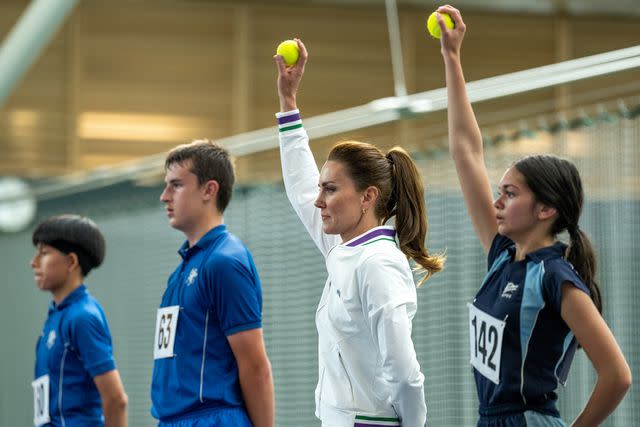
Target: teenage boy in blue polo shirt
210 362
76 382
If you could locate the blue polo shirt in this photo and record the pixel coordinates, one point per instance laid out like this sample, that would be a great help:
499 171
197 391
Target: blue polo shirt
73 348
537 345
218 292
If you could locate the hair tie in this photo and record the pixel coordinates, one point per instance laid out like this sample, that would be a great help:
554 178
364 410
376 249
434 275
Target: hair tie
390 158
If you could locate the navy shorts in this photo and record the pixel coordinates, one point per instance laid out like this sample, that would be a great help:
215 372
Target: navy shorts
524 419
236 417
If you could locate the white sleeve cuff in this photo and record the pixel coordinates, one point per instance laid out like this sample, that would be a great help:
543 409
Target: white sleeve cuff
287 113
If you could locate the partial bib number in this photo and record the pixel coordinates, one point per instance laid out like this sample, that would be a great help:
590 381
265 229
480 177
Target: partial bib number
485 339
166 327
41 400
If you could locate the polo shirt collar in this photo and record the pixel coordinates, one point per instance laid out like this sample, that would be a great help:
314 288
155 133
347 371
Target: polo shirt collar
74 296
557 250
205 241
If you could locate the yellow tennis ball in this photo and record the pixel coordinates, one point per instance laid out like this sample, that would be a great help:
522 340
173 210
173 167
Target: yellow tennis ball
288 49
434 28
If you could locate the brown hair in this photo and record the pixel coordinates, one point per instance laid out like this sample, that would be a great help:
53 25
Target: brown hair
401 195
208 161
556 182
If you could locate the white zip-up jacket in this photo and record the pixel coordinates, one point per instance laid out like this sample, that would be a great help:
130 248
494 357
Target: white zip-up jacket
368 370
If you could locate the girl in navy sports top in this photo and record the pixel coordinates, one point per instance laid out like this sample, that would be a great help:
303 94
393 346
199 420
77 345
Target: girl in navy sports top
539 299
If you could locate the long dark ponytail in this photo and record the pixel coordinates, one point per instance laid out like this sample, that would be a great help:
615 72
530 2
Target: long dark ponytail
556 182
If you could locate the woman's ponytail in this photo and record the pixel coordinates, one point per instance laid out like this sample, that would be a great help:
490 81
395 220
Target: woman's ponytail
407 204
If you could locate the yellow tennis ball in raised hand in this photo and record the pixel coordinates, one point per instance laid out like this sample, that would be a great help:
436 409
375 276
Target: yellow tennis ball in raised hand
434 28
288 49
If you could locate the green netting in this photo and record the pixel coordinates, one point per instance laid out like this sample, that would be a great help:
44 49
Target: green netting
142 252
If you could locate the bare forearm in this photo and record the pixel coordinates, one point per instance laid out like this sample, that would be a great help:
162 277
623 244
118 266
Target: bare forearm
464 132
607 394
257 390
114 399
287 103
597 340
115 413
465 142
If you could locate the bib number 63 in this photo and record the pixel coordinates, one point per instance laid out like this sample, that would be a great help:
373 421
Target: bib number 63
485 339
166 326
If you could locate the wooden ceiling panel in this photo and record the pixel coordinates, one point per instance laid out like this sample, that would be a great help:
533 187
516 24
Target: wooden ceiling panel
127 78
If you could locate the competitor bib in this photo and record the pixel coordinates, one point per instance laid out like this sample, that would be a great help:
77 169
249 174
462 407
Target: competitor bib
41 400
166 327
485 339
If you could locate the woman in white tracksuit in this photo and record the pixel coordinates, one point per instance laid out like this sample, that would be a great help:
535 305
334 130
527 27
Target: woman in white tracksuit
368 370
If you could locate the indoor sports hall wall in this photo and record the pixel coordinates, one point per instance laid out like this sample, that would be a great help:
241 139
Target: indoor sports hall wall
129 78
142 252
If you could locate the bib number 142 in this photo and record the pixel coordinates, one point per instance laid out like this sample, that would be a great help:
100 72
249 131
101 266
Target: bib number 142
485 339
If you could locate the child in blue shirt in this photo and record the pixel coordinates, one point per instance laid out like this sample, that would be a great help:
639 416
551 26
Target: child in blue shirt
76 381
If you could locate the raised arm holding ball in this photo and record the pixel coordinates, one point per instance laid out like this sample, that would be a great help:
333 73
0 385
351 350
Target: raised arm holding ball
539 300
368 369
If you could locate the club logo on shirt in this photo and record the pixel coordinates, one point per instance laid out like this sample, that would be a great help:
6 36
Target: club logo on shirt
51 339
193 274
509 290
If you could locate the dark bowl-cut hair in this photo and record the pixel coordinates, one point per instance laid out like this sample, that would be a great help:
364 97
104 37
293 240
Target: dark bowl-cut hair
73 233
